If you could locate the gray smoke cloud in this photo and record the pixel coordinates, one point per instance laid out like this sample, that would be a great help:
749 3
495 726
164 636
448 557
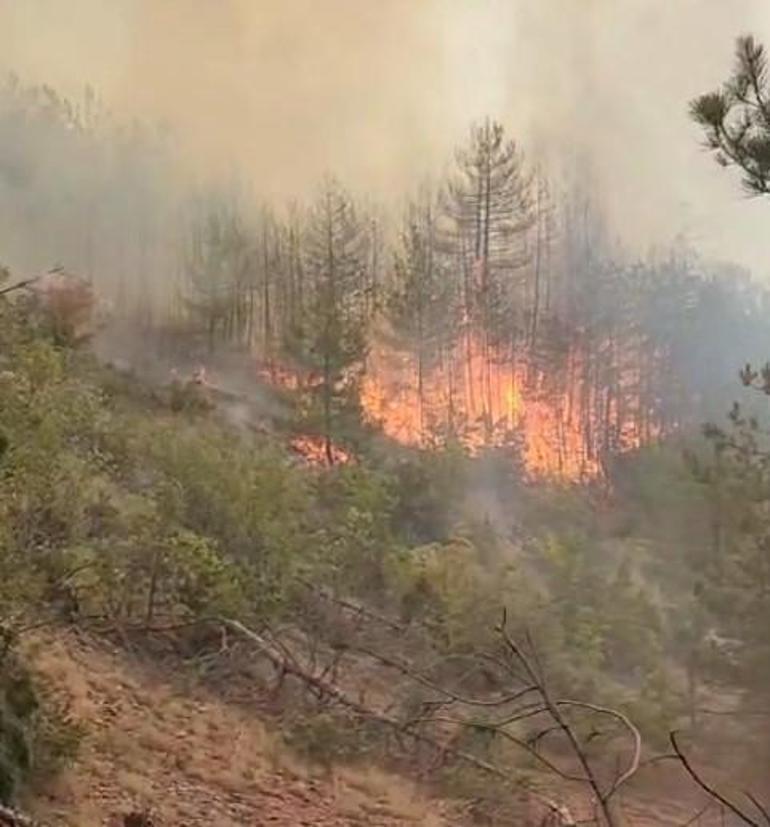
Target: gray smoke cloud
282 91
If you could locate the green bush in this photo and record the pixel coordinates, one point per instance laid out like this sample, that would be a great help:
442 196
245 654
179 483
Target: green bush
326 738
37 736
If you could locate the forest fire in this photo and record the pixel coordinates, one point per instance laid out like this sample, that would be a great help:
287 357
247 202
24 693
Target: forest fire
351 446
563 426
313 450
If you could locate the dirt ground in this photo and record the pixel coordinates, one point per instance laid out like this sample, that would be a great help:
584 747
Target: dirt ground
190 759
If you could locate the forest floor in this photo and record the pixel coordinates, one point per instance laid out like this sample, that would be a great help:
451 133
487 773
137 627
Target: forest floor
188 757
191 759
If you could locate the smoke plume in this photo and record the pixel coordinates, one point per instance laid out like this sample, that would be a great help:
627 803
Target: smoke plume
277 92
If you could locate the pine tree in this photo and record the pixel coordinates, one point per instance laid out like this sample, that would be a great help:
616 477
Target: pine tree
422 303
490 207
544 232
219 262
736 118
335 341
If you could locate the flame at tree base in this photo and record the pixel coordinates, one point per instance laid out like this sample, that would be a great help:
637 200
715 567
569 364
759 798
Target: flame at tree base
313 450
564 423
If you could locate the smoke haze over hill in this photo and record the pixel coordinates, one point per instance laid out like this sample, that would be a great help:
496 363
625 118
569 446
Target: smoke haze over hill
379 93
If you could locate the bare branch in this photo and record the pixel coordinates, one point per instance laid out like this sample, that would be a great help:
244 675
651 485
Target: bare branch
758 804
350 606
632 729
19 285
417 677
410 728
703 810
715 794
534 672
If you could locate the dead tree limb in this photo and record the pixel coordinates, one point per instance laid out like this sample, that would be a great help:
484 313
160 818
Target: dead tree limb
758 804
501 710
708 788
409 728
698 815
535 675
636 755
508 736
351 607
419 678
20 285
534 671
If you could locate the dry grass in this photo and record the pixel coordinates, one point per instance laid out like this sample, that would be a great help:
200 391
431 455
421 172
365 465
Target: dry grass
192 759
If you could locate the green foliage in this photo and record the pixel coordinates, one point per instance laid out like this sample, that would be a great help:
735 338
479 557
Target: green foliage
145 575
448 586
219 266
37 736
333 336
736 119
354 533
78 528
609 624
326 738
160 513
189 397
429 490
132 512
490 204
734 567
424 296
241 493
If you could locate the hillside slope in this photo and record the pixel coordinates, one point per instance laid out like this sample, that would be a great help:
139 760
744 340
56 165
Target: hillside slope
155 743
191 759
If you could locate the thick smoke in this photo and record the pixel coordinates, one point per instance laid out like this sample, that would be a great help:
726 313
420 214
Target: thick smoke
281 91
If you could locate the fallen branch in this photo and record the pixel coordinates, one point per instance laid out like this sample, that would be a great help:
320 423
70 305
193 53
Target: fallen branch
533 672
325 688
350 606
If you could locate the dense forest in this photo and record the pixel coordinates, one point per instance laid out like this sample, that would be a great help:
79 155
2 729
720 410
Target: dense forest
401 424
494 311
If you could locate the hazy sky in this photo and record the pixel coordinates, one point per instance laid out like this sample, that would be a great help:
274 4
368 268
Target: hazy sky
379 91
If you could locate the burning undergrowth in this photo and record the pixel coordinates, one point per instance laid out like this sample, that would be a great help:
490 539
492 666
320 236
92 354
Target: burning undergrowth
563 426
558 425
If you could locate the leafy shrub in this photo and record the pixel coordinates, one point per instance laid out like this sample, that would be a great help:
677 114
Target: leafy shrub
327 738
37 736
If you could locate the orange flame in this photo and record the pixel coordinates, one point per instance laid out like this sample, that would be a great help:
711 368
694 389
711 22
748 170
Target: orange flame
564 424
484 400
313 450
